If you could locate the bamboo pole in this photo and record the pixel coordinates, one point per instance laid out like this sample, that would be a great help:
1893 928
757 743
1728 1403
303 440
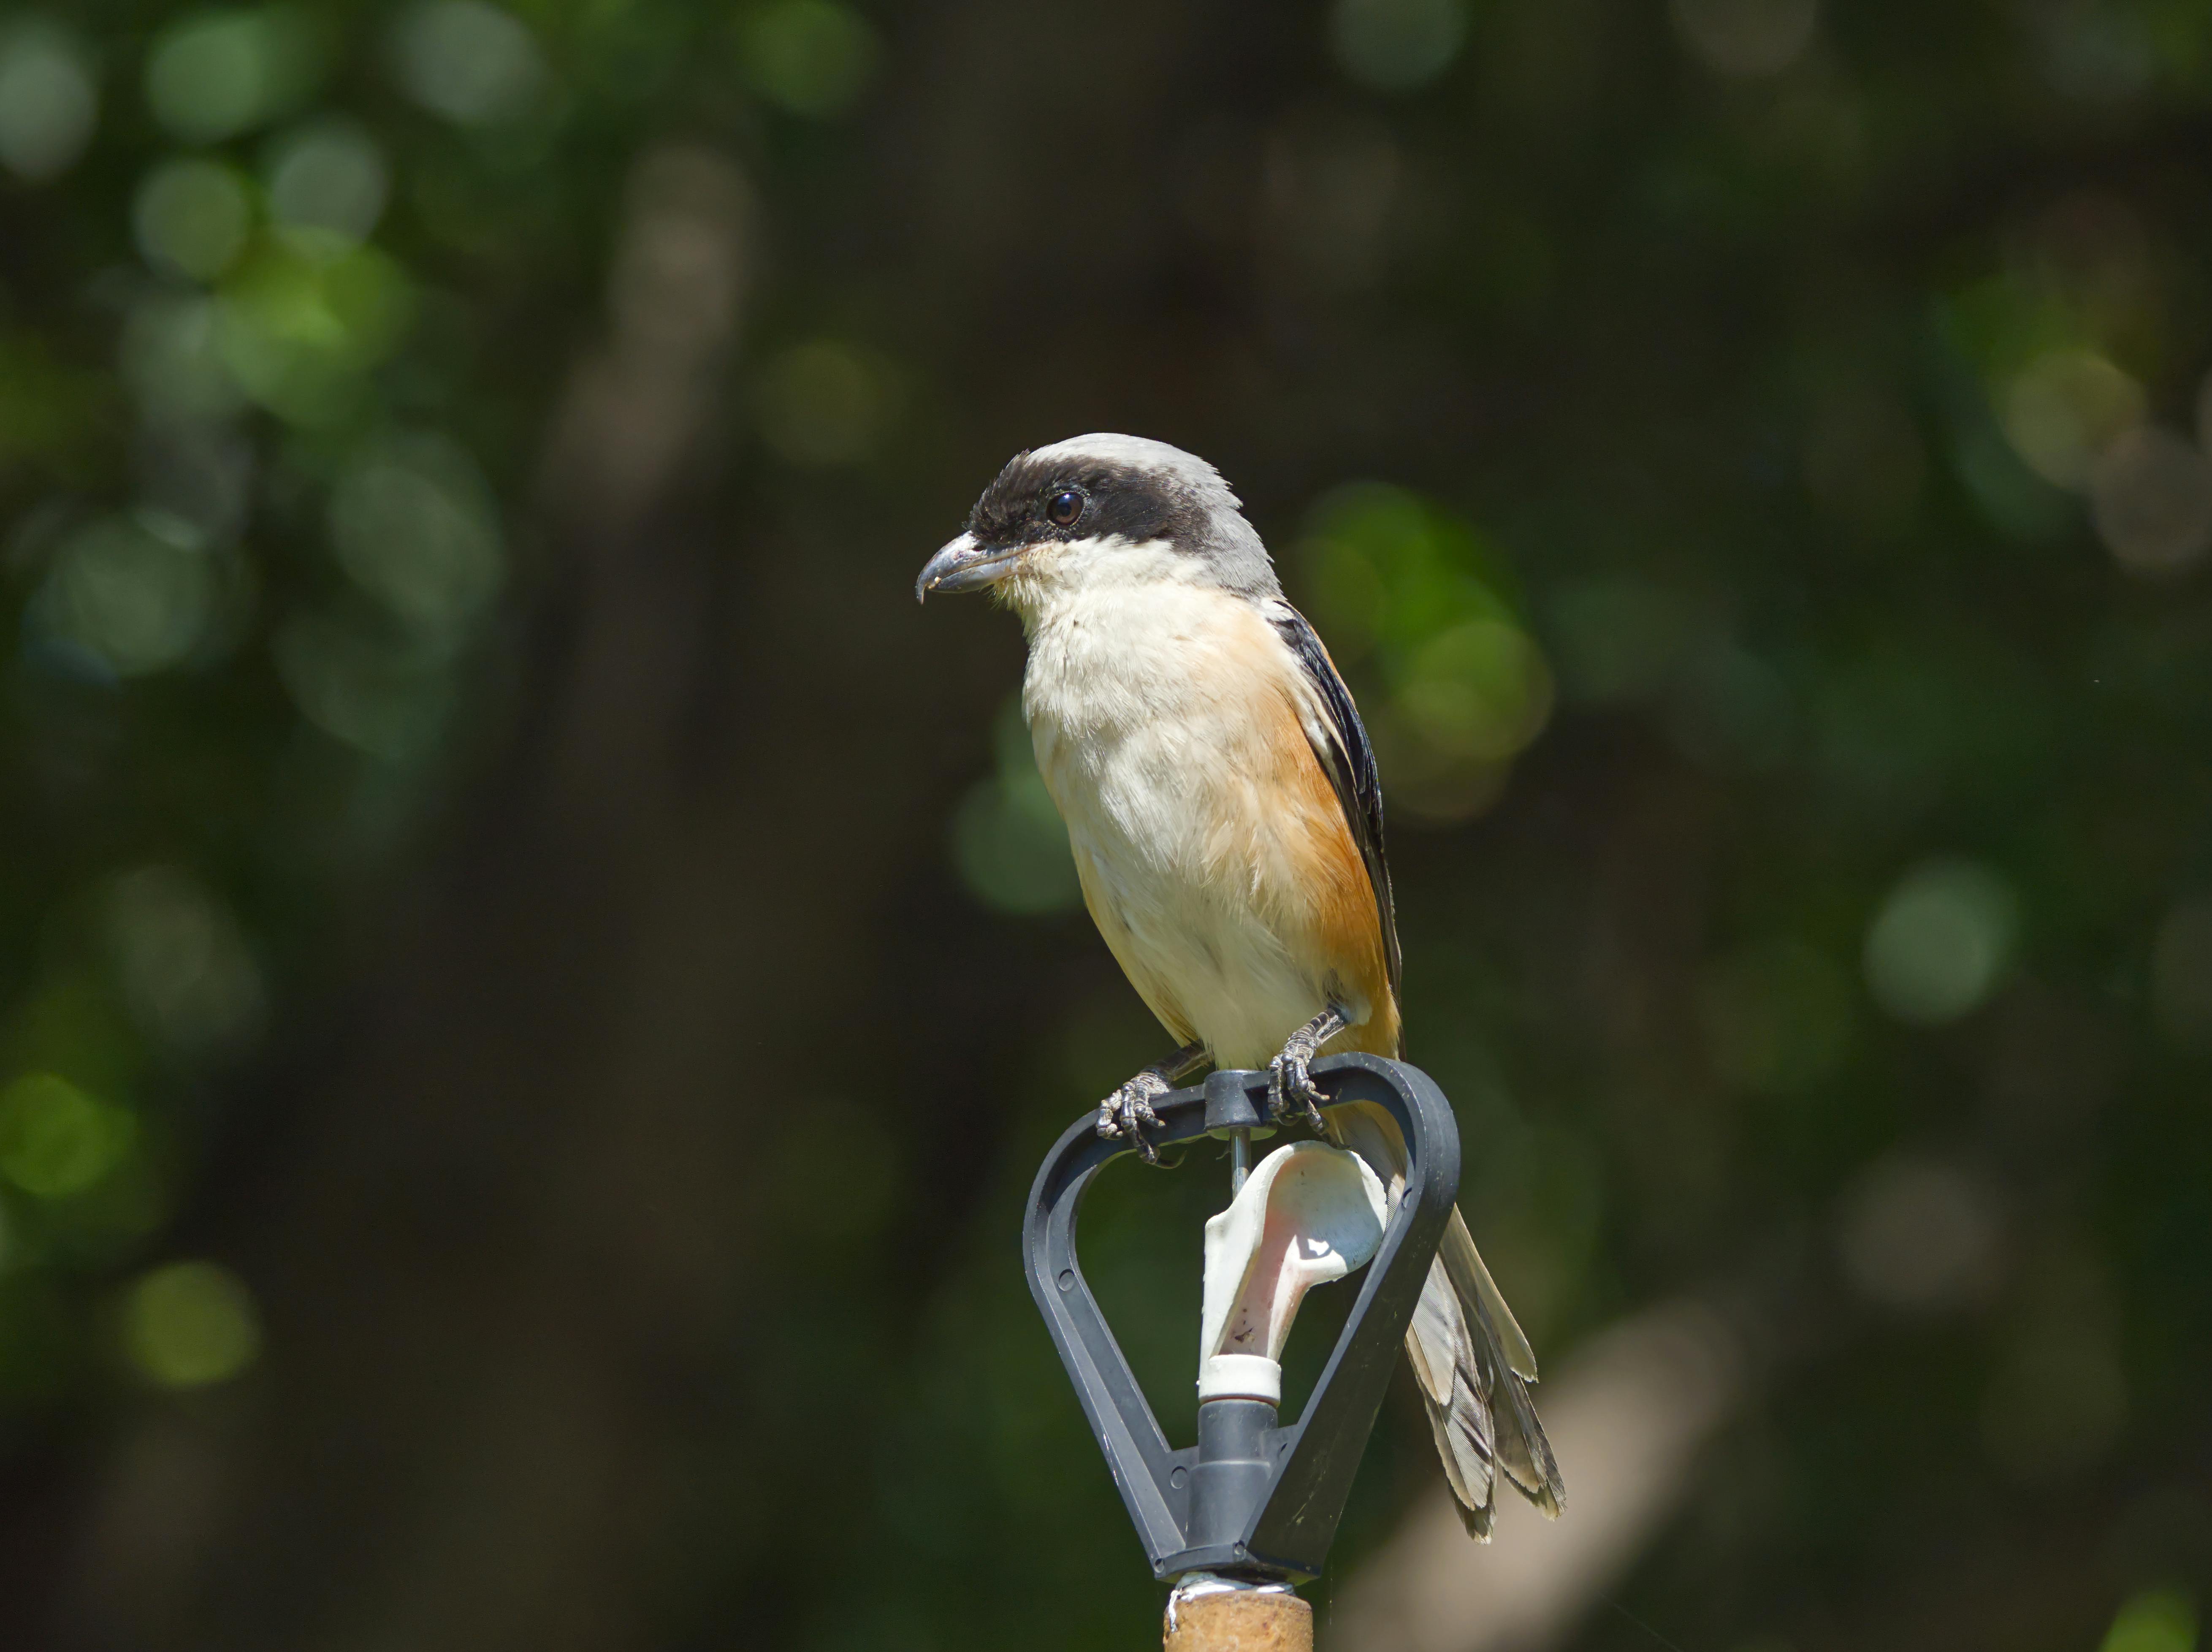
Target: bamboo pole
1238 1620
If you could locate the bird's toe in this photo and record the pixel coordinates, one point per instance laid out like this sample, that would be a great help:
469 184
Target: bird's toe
1291 1092
1127 1113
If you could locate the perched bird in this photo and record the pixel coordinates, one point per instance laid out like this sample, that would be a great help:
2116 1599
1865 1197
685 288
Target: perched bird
1226 820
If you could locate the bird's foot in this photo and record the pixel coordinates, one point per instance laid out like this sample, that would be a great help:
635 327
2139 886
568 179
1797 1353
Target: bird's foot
1291 1088
1124 1115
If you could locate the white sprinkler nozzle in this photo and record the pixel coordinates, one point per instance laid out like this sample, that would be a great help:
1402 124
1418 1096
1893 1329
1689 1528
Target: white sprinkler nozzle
1308 1213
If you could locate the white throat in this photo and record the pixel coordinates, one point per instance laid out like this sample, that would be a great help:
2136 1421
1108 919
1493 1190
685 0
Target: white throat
1061 579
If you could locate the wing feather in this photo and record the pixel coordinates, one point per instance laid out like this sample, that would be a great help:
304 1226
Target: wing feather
1340 741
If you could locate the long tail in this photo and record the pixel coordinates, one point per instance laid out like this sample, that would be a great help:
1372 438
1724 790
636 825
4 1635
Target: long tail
1474 1365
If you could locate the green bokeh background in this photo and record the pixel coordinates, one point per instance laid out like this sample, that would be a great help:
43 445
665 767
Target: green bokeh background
533 980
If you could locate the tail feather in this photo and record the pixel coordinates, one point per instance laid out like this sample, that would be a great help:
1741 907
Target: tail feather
1462 1442
1464 1265
1526 1455
1469 1357
1459 1412
1433 1341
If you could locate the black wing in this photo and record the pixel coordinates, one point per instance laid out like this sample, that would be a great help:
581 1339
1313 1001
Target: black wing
1350 763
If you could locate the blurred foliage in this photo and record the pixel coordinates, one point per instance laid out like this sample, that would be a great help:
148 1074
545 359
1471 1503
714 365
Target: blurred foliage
492 856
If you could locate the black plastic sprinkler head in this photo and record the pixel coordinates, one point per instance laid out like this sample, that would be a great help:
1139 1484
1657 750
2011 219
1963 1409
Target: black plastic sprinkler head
1255 1498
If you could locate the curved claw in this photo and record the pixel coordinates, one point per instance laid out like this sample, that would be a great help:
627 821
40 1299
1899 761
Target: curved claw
1129 1109
1291 1090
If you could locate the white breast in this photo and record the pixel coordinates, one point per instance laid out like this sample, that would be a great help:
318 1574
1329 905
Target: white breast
1151 700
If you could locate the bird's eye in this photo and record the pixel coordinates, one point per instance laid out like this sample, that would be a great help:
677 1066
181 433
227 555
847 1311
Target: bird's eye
1063 507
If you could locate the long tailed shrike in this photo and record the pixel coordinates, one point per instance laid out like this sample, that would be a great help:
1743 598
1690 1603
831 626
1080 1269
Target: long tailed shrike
1223 807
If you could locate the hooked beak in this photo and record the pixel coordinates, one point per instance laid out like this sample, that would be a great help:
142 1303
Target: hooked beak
964 565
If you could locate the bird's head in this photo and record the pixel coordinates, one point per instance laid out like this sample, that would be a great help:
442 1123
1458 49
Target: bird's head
1098 510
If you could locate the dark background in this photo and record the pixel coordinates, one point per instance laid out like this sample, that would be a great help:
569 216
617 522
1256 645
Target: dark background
533 980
